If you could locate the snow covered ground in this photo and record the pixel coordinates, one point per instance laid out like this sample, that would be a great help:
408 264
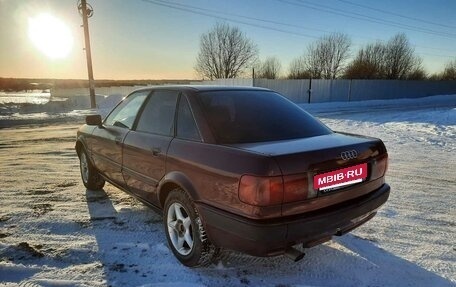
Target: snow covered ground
54 232
32 97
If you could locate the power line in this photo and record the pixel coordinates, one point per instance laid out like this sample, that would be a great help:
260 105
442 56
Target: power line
259 19
286 24
372 19
435 55
353 15
244 17
227 19
396 14
209 13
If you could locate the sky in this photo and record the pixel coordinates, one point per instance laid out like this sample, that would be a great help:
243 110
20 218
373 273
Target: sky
148 39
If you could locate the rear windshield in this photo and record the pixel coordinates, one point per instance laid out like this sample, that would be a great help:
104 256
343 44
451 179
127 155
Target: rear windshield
256 116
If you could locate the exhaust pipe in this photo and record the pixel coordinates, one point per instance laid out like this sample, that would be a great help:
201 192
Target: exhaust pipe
294 254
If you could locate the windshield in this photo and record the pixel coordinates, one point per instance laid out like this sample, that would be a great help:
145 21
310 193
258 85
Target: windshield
256 116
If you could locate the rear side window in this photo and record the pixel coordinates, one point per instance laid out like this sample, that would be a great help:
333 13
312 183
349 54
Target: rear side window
186 126
125 113
256 116
158 114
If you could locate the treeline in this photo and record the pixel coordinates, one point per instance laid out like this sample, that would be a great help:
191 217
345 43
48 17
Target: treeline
24 84
226 52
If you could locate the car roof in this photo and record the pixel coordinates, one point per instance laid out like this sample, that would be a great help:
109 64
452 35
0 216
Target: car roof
202 88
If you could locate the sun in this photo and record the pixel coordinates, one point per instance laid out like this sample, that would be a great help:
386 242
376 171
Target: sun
50 35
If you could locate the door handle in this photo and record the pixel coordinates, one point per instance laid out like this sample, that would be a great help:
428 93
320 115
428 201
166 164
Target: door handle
156 151
118 141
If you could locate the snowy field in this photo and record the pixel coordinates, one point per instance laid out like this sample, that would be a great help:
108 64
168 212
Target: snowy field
32 97
54 232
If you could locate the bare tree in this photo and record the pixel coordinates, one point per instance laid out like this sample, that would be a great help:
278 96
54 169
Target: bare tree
315 61
450 71
368 64
269 68
435 77
392 60
298 69
418 74
326 58
225 52
399 58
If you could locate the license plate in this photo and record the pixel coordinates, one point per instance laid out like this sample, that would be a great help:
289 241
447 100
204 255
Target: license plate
341 177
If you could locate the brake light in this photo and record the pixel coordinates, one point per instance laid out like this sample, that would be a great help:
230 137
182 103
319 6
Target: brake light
379 166
261 191
273 190
295 188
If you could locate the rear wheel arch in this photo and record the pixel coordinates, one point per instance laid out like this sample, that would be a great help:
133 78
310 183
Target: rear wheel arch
172 181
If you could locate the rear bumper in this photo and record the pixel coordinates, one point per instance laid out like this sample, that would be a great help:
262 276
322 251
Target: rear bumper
273 237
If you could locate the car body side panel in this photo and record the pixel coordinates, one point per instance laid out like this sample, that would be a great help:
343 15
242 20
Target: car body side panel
144 158
106 144
215 172
84 138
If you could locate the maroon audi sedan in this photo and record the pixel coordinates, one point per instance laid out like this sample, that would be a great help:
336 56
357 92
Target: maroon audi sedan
234 167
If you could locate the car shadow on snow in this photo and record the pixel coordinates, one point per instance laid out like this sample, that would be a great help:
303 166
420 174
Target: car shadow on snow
344 261
134 252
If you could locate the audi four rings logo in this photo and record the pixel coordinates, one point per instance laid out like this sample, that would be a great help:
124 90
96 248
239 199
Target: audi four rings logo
349 154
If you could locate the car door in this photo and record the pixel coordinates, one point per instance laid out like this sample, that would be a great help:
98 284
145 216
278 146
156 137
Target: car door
145 148
107 140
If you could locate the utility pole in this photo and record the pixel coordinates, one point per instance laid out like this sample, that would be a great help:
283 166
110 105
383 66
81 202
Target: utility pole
309 91
253 76
87 11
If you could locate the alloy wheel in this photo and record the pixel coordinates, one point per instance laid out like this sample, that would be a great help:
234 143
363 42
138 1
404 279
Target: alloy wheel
180 229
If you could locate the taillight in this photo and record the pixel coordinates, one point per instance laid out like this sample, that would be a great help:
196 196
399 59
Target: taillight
273 190
261 191
295 188
379 166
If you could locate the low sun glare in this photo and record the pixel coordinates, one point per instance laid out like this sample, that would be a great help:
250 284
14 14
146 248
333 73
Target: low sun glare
50 35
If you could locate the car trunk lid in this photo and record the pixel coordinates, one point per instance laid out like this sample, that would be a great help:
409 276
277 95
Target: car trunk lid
324 157
318 154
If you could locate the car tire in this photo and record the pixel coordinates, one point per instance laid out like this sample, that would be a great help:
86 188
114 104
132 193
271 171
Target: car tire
185 231
89 175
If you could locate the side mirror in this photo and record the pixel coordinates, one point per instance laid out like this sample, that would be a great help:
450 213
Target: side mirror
93 120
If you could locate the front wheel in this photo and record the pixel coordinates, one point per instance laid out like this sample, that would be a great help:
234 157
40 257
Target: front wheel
185 232
90 177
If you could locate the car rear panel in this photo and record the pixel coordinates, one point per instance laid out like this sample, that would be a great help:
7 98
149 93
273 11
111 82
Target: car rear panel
273 236
316 155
